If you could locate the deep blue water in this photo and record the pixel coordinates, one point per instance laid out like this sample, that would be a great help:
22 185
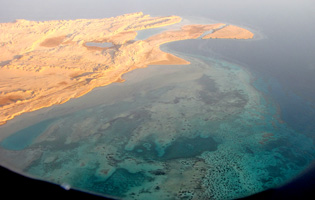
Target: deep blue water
240 123
221 138
295 99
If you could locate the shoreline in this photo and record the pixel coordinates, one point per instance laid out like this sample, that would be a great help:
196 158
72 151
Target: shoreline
75 104
130 78
74 78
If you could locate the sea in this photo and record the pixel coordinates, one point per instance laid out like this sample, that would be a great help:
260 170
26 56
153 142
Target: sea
238 120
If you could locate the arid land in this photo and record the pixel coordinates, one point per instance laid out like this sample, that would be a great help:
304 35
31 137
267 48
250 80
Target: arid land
47 63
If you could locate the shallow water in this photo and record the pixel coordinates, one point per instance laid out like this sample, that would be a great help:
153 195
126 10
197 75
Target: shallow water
210 129
146 33
23 138
195 131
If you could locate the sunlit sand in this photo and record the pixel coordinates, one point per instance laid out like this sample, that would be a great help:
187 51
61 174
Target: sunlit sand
47 63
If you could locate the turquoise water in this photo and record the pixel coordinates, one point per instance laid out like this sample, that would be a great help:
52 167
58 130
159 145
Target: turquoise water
25 137
208 130
170 132
144 34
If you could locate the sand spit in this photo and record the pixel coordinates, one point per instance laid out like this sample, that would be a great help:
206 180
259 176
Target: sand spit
230 32
47 63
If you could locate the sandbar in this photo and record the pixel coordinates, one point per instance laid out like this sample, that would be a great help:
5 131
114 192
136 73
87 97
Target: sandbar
230 32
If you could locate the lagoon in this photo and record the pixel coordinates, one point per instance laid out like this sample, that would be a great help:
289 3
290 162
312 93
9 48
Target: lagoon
237 121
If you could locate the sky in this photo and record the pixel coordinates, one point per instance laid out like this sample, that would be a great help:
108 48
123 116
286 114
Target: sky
73 9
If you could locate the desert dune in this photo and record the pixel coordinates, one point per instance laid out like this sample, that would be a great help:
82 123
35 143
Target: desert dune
48 62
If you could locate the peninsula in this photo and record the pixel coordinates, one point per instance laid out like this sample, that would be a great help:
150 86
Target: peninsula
49 62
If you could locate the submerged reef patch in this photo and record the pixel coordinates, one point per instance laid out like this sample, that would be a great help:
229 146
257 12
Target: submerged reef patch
156 136
181 148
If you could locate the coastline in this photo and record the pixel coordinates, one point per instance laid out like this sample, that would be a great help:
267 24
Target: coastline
232 140
253 154
75 104
75 78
